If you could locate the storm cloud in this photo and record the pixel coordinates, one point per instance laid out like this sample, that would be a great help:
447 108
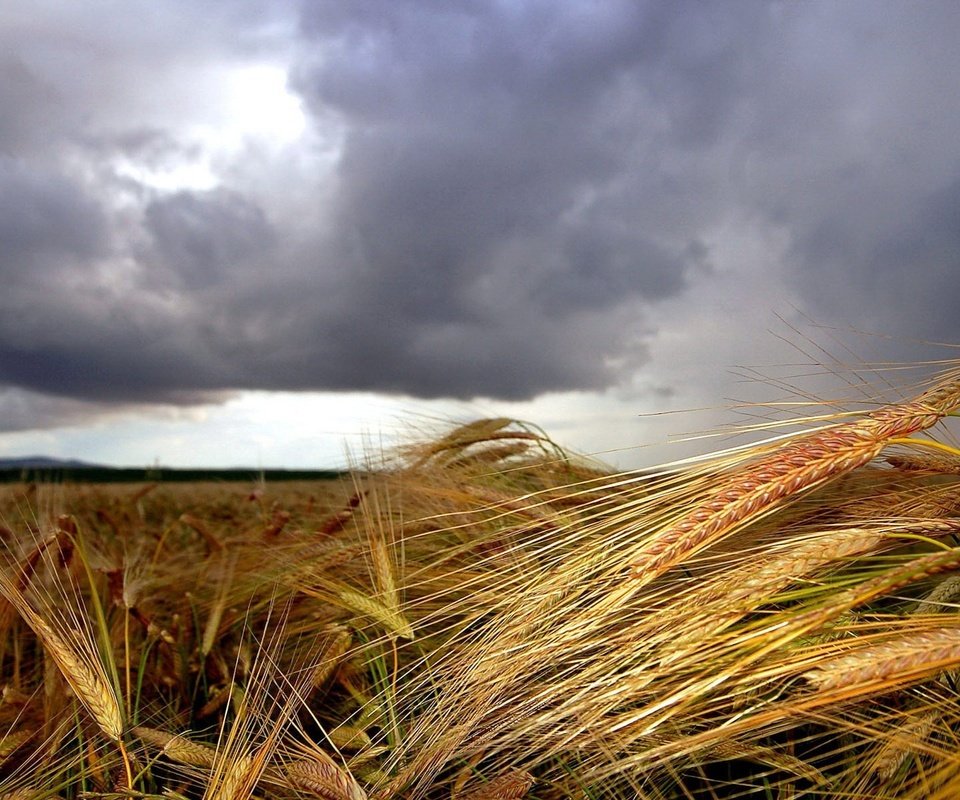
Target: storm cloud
488 199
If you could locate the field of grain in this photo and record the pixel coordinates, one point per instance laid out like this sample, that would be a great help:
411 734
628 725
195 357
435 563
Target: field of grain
482 615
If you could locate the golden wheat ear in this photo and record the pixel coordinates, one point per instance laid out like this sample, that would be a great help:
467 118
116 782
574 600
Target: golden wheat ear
72 649
177 747
318 775
511 785
85 678
796 467
70 622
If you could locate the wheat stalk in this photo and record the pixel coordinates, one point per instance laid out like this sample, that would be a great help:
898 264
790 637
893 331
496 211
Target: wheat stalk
797 466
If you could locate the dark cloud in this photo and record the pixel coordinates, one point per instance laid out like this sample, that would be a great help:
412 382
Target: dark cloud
485 148
899 279
37 102
45 219
864 172
21 410
203 238
491 199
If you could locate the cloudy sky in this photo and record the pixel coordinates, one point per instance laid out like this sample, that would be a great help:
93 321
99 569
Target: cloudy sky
247 232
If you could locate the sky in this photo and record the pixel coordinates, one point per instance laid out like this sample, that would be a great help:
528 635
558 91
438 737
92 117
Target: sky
276 232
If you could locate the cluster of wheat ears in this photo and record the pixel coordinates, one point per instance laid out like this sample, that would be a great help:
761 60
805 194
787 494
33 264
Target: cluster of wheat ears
486 616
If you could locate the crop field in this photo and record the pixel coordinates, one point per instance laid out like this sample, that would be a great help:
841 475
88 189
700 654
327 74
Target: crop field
484 616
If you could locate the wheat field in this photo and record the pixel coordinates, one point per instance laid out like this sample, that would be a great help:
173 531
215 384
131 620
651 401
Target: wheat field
481 615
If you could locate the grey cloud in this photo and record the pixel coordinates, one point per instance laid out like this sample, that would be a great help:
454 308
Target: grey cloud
21 410
44 216
480 143
467 256
901 276
861 171
38 108
203 237
601 266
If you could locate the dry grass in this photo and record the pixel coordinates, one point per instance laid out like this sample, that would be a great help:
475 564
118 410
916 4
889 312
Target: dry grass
482 615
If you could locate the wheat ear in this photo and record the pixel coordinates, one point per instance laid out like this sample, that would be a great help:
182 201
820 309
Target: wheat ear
946 591
511 785
936 464
319 775
12 741
907 739
177 747
349 737
909 656
798 466
29 794
339 643
91 688
234 779
389 616
808 556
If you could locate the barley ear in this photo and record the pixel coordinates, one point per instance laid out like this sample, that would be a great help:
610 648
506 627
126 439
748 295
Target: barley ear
511 785
177 747
904 742
319 775
390 618
798 466
91 687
